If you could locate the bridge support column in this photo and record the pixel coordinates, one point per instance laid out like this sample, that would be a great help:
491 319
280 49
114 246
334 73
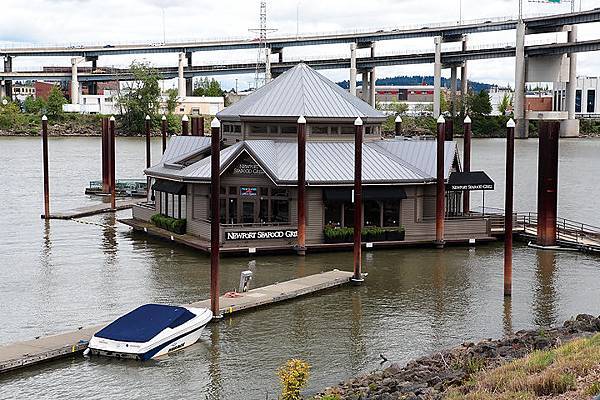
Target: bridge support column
464 80
521 131
365 86
353 69
74 81
2 89
570 126
372 80
189 82
437 76
453 82
547 182
180 78
8 82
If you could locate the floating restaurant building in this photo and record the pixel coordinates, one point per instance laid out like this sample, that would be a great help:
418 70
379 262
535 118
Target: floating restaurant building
259 174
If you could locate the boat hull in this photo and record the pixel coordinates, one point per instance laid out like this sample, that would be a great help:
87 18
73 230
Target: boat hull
167 342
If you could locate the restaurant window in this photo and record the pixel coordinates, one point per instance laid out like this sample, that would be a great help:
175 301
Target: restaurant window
578 101
288 129
258 128
349 214
453 204
232 210
280 210
391 213
371 213
333 213
348 129
320 129
252 205
237 128
263 213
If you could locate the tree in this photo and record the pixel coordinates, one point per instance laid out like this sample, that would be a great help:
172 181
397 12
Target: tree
397 107
140 98
172 97
505 104
54 105
34 105
479 103
207 87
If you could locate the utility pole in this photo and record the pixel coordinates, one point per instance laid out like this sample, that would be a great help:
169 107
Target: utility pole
263 54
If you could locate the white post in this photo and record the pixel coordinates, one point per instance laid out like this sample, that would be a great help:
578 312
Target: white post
180 78
353 69
570 127
74 81
437 76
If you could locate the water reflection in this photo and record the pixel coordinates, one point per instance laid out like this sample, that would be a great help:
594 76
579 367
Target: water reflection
46 251
545 296
358 348
215 381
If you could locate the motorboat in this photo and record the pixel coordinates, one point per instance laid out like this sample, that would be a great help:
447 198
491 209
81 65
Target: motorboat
150 331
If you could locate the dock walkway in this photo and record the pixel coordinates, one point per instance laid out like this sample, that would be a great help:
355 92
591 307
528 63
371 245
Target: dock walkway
94 209
31 352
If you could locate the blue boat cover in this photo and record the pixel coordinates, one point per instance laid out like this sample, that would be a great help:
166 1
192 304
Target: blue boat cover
145 322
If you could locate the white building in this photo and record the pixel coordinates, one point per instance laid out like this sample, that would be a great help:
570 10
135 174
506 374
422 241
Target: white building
586 96
95 104
22 92
195 105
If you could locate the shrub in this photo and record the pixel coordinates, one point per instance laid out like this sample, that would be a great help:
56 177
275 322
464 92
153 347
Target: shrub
174 225
293 376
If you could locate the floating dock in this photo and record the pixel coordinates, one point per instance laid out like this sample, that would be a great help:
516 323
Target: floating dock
31 352
100 208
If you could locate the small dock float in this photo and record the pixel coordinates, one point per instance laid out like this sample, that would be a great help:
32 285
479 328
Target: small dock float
43 349
95 209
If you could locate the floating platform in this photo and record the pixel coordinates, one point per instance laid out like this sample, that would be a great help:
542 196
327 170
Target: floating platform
100 208
32 352
204 245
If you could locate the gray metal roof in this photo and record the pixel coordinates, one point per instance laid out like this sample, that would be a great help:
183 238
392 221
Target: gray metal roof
391 161
301 91
179 148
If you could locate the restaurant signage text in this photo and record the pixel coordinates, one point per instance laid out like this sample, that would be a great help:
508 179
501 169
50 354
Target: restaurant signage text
477 186
262 235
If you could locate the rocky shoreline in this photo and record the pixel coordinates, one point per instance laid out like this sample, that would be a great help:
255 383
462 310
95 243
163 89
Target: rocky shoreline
429 377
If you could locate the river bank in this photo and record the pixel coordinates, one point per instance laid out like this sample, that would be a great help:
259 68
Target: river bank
453 373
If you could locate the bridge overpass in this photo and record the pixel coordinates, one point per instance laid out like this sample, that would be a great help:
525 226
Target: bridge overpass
363 63
546 23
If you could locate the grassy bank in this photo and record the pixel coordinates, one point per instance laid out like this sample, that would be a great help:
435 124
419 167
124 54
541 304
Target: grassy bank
571 371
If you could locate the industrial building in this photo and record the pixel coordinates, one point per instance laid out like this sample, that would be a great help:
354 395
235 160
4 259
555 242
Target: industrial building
259 173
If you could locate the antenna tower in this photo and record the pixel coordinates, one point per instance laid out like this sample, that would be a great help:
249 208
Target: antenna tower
261 58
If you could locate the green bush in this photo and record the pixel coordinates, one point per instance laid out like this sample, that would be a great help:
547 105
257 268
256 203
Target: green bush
174 225
368 234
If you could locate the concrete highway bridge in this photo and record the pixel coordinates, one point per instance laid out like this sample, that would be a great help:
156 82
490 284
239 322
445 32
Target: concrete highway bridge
537 63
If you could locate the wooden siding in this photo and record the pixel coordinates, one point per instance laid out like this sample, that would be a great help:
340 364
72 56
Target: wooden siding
143 213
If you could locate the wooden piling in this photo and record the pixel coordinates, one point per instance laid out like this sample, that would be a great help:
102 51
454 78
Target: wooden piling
449 129
301 200
547 182
105 174
358 141
46 172
148 161
508 207
111 154
201 126
398 126
441 188
163 132
185 126
467 161
215 224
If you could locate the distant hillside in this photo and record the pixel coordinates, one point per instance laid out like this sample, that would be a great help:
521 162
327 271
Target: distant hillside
420 80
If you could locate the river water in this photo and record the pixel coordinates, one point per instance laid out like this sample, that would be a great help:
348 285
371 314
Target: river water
62 275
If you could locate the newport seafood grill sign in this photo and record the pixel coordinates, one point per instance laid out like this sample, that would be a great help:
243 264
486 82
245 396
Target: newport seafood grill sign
262 235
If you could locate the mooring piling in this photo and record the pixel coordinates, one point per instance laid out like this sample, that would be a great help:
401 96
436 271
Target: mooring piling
215 220
185 126
301 200
440 187
46 172
357 278
163 133
148 161
547 182
398 126
105 158
467 161
508 207
111 154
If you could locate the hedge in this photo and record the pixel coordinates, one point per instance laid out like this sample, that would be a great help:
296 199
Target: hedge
368 234
174 225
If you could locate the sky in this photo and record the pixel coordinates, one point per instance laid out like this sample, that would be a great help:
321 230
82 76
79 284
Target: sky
120 21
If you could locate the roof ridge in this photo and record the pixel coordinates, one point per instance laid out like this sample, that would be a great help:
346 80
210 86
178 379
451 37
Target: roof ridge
398 159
